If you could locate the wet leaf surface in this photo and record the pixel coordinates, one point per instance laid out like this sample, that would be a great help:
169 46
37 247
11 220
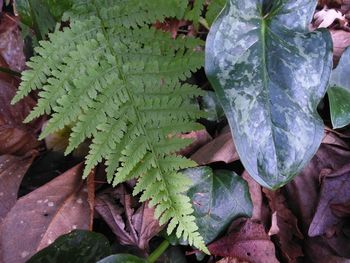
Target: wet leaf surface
218 197
77 246
54 209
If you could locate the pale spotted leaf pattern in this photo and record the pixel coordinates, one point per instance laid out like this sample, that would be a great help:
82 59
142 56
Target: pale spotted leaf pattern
270 73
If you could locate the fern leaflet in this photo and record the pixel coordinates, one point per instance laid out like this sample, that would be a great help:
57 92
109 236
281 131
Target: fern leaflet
115 79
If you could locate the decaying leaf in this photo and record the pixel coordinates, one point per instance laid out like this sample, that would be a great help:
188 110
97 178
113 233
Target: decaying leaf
247 242
326 17
284 227
38 218
341 40
335 189
199 138
221 149
15 137
12 170
138 227
11 42
303 194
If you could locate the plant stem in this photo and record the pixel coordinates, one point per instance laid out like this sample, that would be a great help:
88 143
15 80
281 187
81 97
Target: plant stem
10 72
158 252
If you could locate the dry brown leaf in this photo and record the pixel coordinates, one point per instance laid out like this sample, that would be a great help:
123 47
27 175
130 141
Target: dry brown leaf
248 241
11 42
131 227
38 218
15 137
199 138
221 149
231 260
326 17
303 194
284 226
255 195
12 170
341 40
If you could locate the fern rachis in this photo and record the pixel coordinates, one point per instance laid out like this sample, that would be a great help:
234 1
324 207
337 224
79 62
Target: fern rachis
115 79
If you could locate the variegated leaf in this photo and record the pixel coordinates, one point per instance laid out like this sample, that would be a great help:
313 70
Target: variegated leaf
270 73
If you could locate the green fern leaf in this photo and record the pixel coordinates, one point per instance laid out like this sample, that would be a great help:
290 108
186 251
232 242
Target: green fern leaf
116 80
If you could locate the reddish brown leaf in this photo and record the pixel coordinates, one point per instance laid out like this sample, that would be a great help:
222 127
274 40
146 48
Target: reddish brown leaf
335 189
248 242
284 226
341 40
341 210
256 196
12 170
38 218
137 228
231 260
303 194
15 137
11 42
171 25
221 149
199 138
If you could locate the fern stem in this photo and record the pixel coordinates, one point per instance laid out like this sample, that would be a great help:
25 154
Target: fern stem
131 98
158 252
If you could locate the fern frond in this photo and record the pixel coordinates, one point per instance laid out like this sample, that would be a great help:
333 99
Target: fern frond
116 80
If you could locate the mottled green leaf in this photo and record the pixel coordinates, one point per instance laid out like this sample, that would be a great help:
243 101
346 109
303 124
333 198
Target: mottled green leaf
122 258
270 73
339 92
218 198
78 246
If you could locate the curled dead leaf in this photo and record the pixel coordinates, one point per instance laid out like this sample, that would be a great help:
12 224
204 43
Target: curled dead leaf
135 228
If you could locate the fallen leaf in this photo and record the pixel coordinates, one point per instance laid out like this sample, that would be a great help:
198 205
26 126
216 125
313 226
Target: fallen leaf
199 138
248 242
303 194
284 226
326 17
341 40
38 218
11 42
137 228
171 25
335 189
12 170
256 196
221 149
231 260
341 210
15 137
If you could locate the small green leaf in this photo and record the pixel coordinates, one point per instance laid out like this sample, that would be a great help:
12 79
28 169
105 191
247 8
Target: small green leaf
78 246
122 258
218 198
339 92
270 73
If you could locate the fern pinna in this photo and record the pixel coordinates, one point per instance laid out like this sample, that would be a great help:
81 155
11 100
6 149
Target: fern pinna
115 79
